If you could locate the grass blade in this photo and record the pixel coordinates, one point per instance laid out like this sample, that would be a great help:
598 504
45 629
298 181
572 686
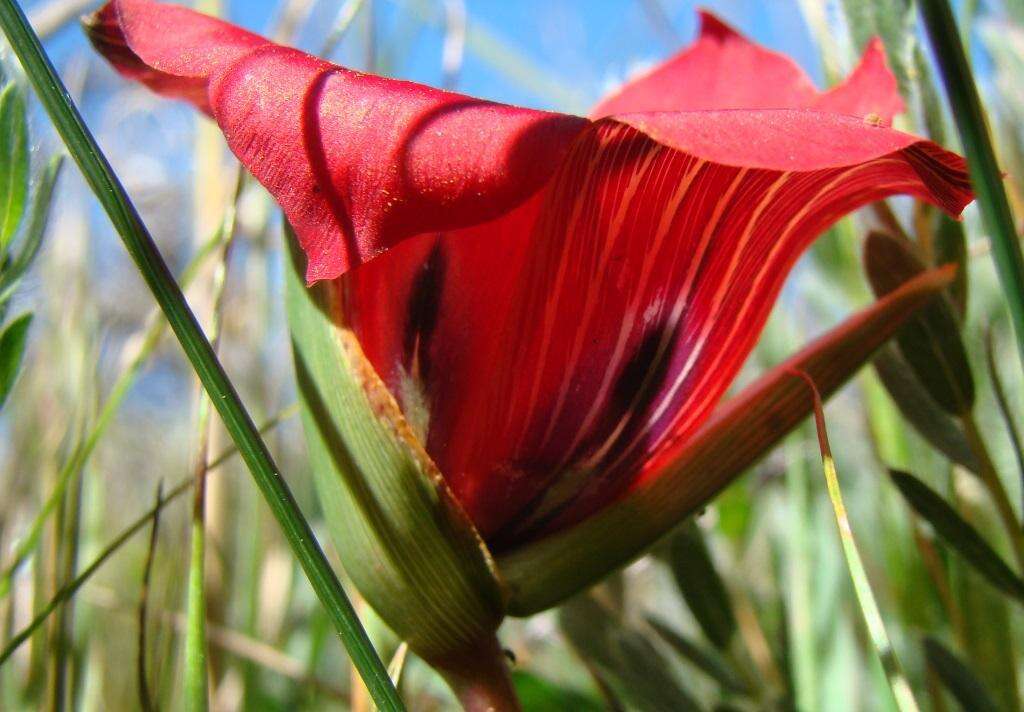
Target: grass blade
637 671
149 340
858 575
958 678
120 540
707 660
13 163
986 177
930 342
145 697
701 586
196 683
958 533
70 588
941 430
32 238
12 349
139 243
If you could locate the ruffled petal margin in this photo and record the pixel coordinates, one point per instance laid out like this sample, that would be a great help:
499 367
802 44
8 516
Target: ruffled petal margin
725 70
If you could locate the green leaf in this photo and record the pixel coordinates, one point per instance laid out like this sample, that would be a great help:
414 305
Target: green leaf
12 349
957 678
539 695
638 673
32 238
13 162
958 534
708 660
939 428
929 98
951 248
930 342
702 588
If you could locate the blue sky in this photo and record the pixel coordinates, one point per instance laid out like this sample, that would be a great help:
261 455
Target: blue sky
576 46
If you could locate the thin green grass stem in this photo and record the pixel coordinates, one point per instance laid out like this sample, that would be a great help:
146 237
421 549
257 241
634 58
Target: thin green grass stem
870 612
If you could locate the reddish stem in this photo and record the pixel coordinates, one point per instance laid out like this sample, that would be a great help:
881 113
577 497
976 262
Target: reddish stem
481 680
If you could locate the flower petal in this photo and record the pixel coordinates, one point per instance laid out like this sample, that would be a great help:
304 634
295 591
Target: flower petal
359 163
560 362
171 49
725 70
692 471
870 90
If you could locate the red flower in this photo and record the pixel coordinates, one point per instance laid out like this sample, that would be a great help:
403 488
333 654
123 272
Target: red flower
557 303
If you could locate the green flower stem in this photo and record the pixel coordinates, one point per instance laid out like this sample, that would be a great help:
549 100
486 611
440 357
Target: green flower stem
111 194
196 688
981 159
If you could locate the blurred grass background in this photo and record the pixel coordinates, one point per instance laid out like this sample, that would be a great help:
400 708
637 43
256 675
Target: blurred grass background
748 608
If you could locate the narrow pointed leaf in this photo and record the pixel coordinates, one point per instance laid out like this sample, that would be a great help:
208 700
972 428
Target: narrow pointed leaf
12 349
13 163
930 342
702 588
951 248
705 659
934 424
958 678
958 534
32 237
637 671
742 431
142 648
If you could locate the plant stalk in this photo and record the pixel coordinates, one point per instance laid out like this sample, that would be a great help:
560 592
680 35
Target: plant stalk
481 679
